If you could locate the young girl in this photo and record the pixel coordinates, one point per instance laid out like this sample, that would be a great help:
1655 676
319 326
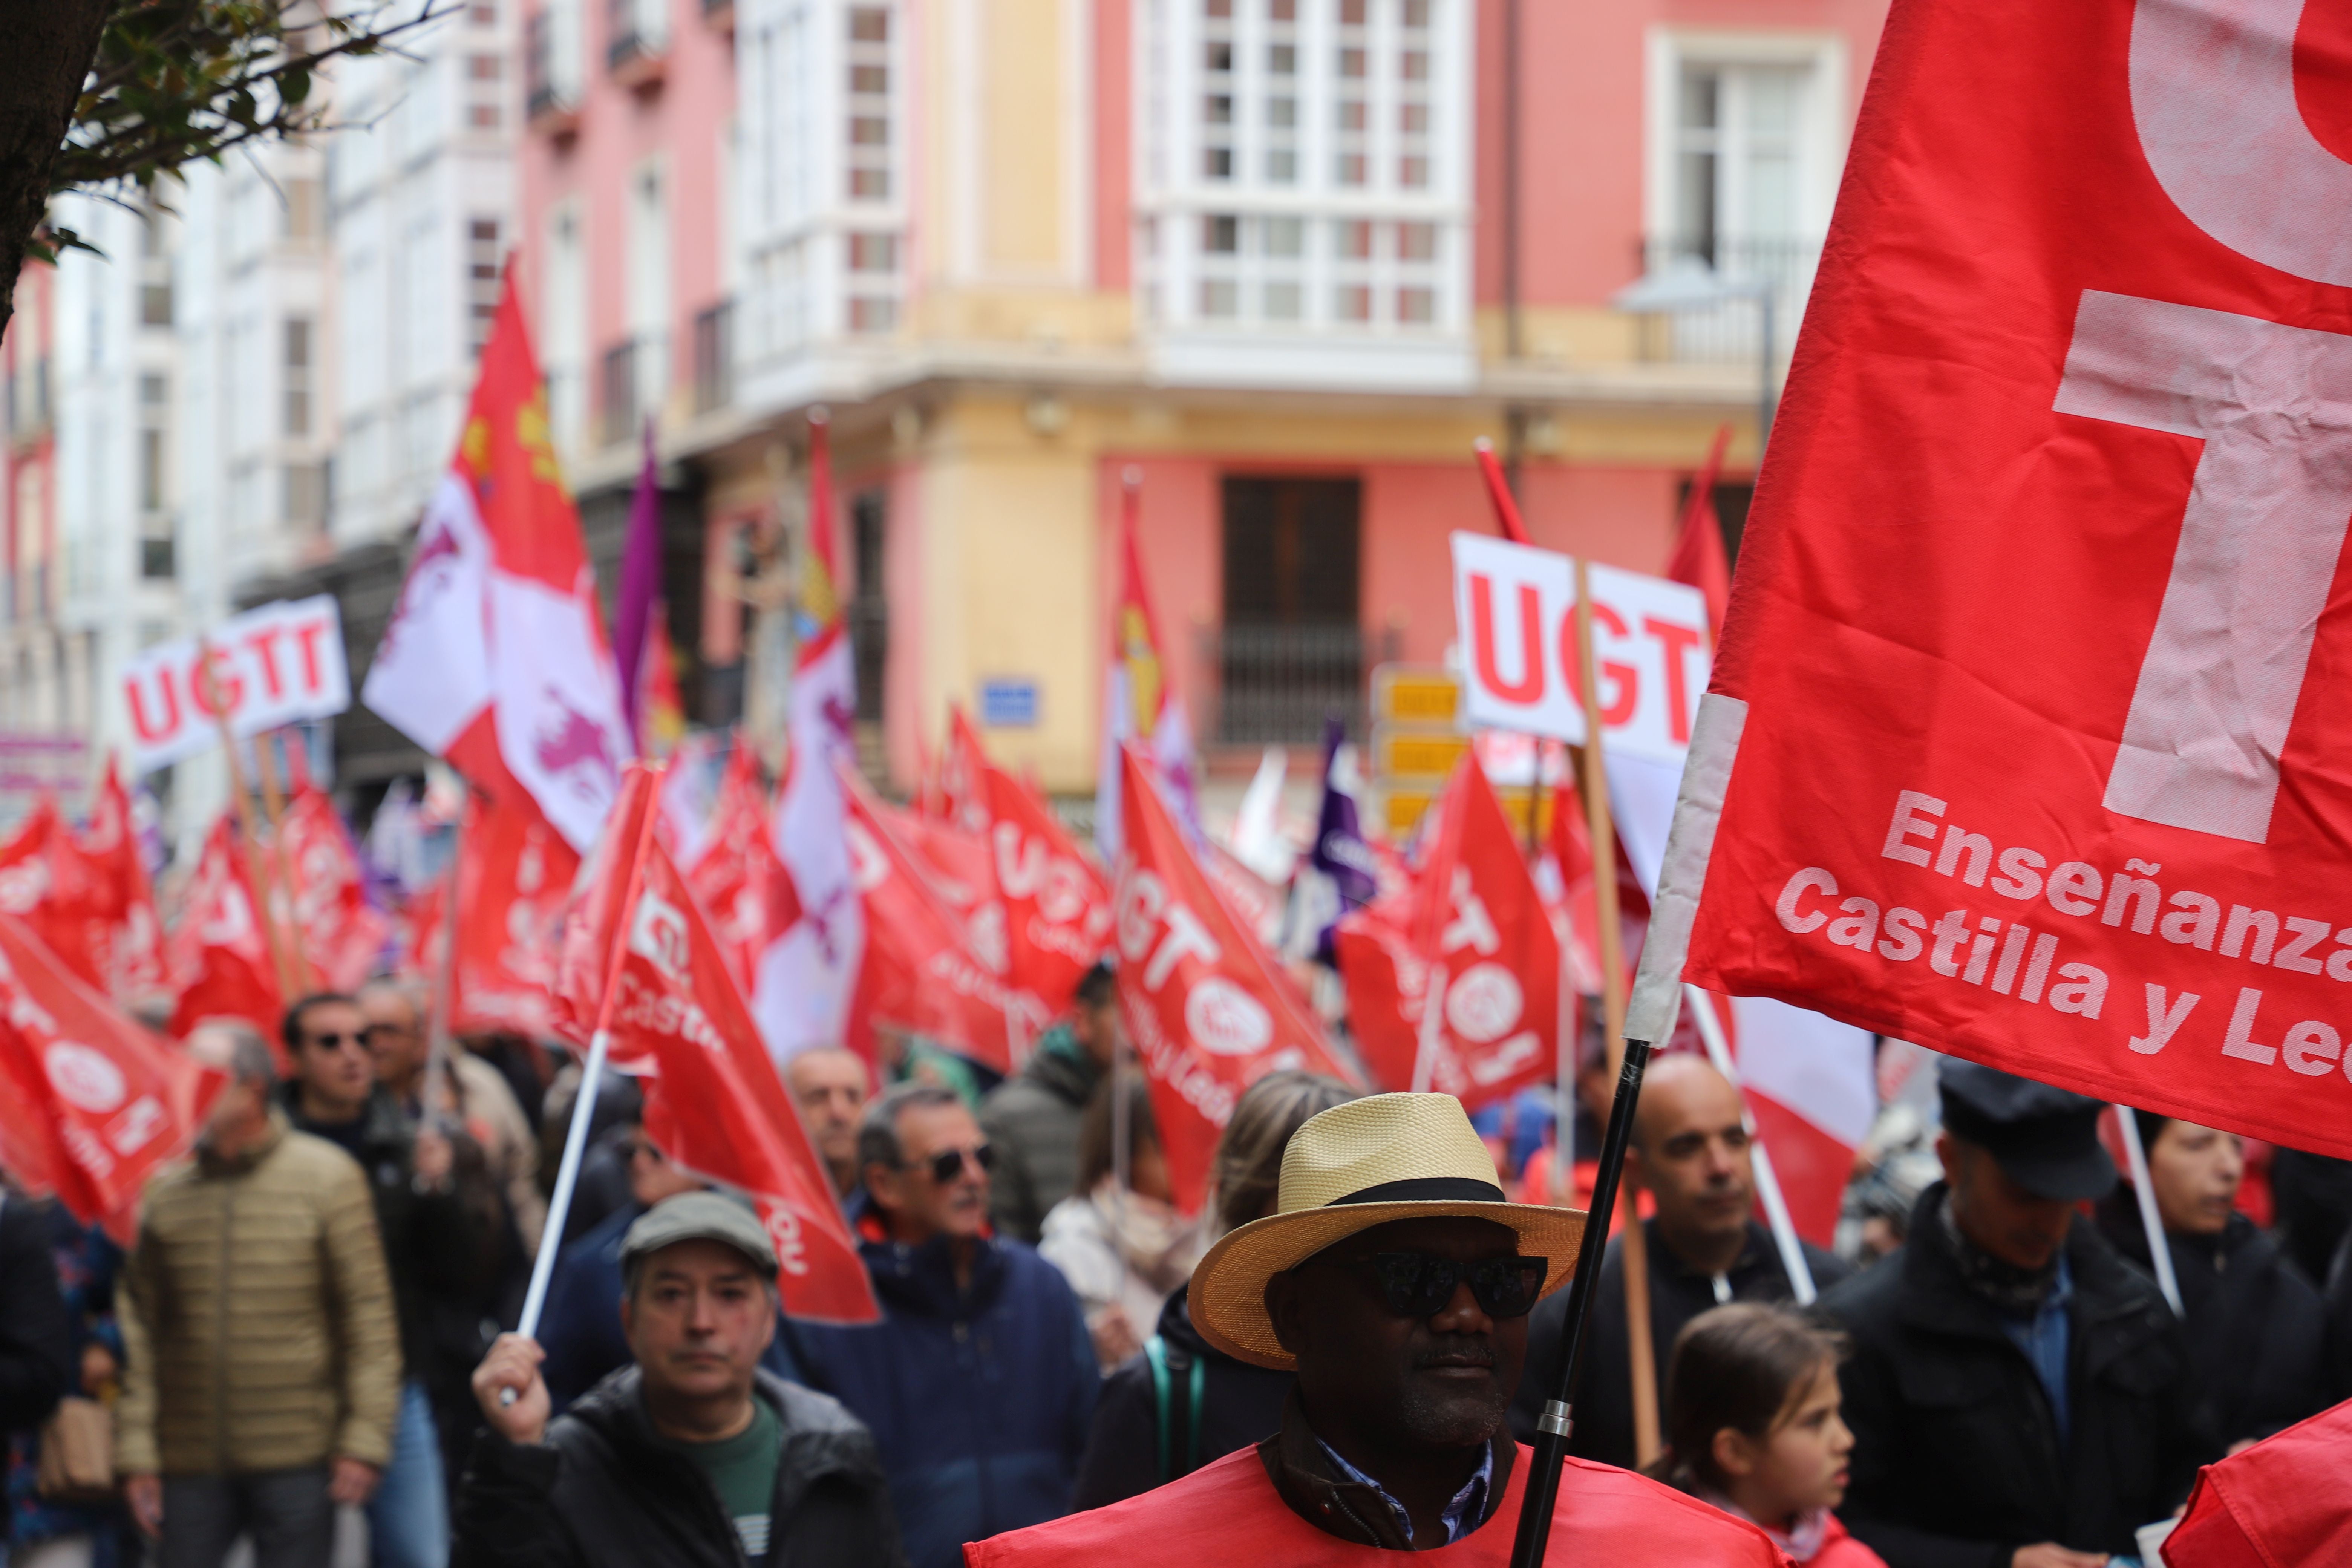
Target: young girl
1752 1426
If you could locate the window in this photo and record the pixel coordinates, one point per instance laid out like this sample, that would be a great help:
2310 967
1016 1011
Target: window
482 14
1742 170
482 116
151 470
873 252
869 129
1289 647
305 211
870 607
156 304
297 334
306 494
482 68
482 277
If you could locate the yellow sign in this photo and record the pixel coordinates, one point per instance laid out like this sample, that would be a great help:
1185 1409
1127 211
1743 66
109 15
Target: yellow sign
1402 810
1412 752
1415 694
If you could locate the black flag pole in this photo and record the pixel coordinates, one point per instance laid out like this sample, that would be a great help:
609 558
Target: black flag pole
1552 1428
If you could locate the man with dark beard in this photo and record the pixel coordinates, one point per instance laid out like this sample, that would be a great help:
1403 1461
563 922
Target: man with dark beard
1396 1281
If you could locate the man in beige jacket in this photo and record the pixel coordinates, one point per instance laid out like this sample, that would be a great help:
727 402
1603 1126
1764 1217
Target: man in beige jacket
263 1363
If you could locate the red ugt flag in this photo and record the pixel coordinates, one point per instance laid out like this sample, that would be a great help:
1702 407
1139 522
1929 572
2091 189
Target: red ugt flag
2019 740
1056 902
713 1101
1481 945
97 1104
134 945
1208 1015
220 958
743 887
342 934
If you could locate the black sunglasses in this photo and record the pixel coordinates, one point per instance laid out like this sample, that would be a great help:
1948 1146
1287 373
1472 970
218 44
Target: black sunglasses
1417 1285
948 1163
334 1040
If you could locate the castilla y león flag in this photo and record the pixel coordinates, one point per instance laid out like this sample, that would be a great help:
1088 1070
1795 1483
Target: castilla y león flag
1207 1011
2021 738
713 1101
494 657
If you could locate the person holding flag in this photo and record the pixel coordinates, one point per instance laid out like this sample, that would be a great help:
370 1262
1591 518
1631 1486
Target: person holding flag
1395 1280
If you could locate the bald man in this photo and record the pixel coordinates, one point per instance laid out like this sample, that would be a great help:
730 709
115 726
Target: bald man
831 1087
1690 1152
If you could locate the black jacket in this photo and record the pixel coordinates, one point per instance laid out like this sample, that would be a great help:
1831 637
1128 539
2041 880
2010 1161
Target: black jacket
36 1358
1032 1122
2256 1333
1240 1405
441 1248
1603 1402
603 1492
1956 1461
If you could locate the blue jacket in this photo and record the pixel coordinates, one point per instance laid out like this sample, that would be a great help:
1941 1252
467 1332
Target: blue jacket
579 1327
980 1402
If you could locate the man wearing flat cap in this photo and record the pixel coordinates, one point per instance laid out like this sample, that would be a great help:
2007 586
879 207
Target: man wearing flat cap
692 1456
1396 1281
2019 1396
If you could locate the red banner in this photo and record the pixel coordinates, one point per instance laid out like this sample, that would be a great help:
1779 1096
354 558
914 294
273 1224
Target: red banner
511 887
745 891
133 966
1203 1005
98 1103
219 954
1481 941
2019 724
1057 901
713 1102
342 934
921 972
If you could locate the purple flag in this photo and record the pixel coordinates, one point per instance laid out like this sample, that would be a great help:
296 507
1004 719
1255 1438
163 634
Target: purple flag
633 612
1340 853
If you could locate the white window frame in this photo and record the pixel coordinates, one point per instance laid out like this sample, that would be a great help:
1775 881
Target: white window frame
1823 134
1174 196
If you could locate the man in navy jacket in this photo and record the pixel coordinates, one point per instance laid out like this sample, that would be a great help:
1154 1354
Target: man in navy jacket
980 1382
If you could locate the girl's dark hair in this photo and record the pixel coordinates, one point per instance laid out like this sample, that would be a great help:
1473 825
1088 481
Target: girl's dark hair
1095 1145
1735 1366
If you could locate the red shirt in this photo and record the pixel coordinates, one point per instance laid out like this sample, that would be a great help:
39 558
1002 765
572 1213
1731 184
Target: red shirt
1228 1512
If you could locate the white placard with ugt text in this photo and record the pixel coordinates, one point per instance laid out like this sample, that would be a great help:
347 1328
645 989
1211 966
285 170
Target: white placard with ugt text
1514 614
270 667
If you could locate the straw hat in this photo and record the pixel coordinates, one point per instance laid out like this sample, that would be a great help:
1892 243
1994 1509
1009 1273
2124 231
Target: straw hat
1385 1157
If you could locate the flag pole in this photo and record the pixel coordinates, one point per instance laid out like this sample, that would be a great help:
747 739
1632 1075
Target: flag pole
2159 1250
440 1104
1631 1059
273 805
254 868
584 1107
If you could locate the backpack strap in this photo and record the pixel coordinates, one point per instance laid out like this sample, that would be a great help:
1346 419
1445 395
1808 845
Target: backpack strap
1199 1382
1155 1356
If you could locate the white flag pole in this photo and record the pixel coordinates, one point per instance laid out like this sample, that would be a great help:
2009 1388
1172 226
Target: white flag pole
2159 1250
1768 1185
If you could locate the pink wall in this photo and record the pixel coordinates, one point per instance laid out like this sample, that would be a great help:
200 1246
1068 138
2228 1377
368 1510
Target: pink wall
680 118
1113 149
1581 150
1623 516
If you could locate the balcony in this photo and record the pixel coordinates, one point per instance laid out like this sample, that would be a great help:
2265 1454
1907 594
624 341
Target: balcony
714 357
638 35
1730 333
550 98
1275 684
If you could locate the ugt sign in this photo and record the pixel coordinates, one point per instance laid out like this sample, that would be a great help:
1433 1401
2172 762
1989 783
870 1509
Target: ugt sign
1514 612
269 667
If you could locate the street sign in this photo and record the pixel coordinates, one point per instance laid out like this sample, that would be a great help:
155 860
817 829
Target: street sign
1008 702
1415 694
1401 751
270 667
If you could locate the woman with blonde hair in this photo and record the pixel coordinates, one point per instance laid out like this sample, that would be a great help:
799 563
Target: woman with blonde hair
1180 1403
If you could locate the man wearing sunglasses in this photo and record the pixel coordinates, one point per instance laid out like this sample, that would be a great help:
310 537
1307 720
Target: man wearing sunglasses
440 1248
979 1382
1396 1281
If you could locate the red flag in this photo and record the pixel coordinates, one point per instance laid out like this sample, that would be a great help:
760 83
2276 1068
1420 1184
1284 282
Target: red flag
49 883
1698 558
921 972
220 959
516 874
745 891
713 1102
1056 903
1387 980
342 934
1208 1015
494 657
118 1102
2280 1501
133 967
1491 955
2024 744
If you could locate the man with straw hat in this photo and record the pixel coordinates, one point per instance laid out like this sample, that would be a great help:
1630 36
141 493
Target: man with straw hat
1395 1280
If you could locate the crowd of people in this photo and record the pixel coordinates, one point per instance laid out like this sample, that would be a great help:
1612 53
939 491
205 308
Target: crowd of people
312 1326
